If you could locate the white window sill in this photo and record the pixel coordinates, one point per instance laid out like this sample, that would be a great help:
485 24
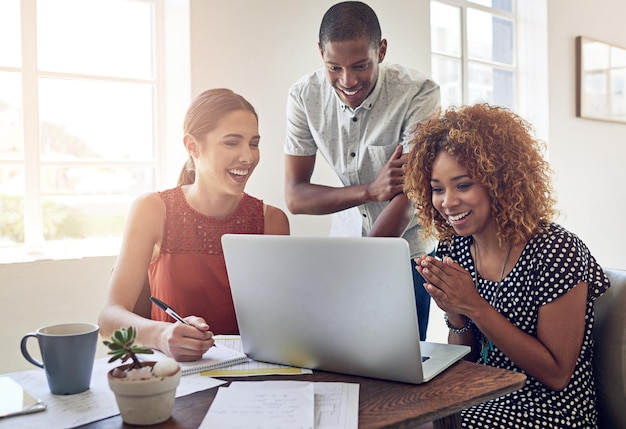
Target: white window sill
61 250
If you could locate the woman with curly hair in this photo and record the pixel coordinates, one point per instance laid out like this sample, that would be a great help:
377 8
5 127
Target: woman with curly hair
515 286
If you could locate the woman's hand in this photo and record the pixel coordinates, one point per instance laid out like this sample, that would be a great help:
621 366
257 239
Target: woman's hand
187 342
450 285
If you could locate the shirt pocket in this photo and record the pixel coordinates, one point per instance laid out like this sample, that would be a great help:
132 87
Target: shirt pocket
379 155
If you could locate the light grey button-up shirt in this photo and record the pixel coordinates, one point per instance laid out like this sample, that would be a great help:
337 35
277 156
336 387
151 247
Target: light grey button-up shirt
358 142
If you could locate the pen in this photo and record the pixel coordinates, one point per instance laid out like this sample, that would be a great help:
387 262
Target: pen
169 310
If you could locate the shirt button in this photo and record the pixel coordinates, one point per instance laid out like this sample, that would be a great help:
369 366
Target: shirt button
364 215
354 119
352 154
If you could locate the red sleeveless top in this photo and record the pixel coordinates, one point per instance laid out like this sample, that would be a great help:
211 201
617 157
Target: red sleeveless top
189 273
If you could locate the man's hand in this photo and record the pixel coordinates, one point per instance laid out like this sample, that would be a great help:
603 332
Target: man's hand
390 178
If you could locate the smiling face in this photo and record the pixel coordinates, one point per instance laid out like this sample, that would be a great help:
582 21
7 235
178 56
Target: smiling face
352 68
226 156
464 204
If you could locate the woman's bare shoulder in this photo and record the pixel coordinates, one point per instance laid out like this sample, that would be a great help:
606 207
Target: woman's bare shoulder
148 200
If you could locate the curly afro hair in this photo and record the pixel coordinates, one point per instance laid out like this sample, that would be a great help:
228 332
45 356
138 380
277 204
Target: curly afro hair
498 149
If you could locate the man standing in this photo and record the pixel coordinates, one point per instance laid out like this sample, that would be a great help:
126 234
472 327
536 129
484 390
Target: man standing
359 114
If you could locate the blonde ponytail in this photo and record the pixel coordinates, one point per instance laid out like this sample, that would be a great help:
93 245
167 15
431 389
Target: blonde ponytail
188 173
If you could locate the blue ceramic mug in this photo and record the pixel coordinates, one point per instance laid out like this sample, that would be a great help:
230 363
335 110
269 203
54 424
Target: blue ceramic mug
68 351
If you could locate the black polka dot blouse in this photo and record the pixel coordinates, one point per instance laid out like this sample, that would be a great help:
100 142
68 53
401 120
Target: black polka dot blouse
552 262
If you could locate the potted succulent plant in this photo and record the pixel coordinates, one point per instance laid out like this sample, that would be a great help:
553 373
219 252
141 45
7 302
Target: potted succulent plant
144 390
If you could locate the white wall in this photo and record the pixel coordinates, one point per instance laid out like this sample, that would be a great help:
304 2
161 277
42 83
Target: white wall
588 156
259 48
36 294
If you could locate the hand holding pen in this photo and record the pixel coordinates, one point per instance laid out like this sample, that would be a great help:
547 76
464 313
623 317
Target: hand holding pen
169 310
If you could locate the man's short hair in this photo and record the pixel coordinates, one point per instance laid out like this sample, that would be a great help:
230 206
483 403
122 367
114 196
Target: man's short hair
350 20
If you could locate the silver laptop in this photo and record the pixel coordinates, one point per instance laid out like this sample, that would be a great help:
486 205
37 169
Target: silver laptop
340 304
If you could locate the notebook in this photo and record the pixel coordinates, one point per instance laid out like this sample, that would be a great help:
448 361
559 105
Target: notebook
216 357
340 304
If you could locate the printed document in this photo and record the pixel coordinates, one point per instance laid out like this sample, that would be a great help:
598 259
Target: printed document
284 404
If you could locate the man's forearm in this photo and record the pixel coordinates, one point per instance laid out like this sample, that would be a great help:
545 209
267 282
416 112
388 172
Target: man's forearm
320 200
394 219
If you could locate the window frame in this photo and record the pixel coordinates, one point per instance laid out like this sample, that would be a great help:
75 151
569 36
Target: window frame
464 59
170 43
530 39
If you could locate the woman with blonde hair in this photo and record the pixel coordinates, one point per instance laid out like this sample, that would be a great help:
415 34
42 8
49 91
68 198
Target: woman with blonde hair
515 286
172 244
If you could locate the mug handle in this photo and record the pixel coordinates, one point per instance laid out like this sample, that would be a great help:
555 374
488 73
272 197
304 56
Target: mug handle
25 350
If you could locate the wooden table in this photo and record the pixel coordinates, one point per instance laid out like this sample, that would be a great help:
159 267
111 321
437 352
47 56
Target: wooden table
382 404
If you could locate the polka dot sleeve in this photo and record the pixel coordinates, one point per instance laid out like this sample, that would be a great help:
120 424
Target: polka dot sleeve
563 261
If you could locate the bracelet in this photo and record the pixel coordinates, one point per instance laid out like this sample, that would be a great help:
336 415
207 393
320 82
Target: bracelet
454 330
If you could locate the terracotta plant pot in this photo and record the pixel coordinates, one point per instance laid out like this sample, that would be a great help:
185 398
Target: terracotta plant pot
144 402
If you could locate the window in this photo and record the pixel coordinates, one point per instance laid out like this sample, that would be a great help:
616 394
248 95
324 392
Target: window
473 51
492 51
81 129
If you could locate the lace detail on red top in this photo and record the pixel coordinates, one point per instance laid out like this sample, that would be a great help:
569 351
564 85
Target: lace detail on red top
187 231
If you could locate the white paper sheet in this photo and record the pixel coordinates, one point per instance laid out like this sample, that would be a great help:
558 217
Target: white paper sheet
248 404
95 404
263 405
336 405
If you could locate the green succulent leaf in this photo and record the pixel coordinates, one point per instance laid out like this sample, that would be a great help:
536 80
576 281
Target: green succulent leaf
122 346
119 336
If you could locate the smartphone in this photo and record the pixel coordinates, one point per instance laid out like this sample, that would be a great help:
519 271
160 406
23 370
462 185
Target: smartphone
15 401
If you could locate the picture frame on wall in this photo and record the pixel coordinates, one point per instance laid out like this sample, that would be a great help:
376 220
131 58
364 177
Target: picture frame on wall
600 80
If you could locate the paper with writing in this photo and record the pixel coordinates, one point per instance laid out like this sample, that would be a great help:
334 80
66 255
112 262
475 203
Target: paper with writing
74 410
336 405
290 406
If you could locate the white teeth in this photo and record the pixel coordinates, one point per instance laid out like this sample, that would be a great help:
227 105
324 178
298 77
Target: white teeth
350 93
238 172
458 217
